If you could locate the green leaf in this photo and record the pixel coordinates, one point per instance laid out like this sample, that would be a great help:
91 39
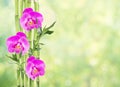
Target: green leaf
41 43
13 57
37 49
9 56
51 25
30 52
45 30
49 32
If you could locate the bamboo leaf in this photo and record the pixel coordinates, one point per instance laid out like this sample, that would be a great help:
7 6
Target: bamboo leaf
51 25
49 32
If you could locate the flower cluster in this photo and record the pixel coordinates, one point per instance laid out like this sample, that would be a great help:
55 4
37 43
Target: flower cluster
20 43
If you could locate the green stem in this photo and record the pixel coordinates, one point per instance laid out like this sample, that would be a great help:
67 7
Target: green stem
31 38
17 29
21 59
21 2
38 79
31 83
16 15
26 56
25 76
25 5
38 82
36 6
22 73
16 7
26 81
18 77
18 72
21 7
17 23
28 3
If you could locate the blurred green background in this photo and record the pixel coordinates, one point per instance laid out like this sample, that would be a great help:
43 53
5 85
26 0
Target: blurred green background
83 51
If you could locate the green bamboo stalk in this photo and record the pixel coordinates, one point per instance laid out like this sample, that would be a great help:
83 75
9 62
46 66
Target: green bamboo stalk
27 82
16 15
17 23
31 38
24 4
22 77
21 2
38 82
28 3
36 7
17 29
25 76
18 72
22 72
21 7
31 83
38 79
18 76
26 56
16 7
21 60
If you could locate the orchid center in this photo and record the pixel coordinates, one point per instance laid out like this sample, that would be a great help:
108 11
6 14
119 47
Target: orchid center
35 71
18 46
30 23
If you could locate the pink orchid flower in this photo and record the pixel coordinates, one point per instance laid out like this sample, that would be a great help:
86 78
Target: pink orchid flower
35 67
18 43
31 19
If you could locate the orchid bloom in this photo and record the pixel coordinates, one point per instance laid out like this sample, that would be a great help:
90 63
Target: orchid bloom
31 19
35 67
18 43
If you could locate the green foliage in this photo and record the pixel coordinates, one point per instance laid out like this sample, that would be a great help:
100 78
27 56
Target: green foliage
46 30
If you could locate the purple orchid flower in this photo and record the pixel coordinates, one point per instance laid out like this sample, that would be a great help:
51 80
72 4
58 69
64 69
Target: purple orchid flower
18 43
35 67
31 19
